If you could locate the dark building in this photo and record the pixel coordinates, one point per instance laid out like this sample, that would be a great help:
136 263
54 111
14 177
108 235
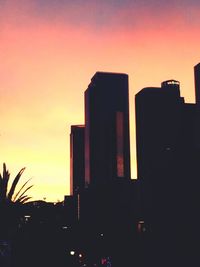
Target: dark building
197 94
77 159
197 83
107 145
71 209
168 171
159 125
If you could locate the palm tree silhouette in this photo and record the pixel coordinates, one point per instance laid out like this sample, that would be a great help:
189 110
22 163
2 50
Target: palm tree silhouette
9 196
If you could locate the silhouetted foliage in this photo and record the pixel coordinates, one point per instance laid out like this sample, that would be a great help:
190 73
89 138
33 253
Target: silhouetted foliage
9 196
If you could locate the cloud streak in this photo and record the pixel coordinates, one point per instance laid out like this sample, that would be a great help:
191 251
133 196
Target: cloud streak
101 15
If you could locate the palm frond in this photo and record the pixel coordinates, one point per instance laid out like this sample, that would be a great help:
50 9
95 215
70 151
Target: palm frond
5 178
9 197
22 194
17 194
14 184
23 199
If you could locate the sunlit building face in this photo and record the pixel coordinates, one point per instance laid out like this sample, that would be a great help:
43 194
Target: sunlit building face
120 143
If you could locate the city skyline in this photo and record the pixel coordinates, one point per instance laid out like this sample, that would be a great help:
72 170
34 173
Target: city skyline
47 62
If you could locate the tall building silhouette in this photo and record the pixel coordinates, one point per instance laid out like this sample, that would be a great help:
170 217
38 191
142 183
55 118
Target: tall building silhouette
166 150
197 97
159 125
107 145
77 158
168 170
197 84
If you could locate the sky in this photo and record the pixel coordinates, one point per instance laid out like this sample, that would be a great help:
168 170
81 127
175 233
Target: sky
49 50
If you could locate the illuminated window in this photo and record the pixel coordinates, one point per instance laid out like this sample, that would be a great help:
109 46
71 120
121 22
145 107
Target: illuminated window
141 227
120 143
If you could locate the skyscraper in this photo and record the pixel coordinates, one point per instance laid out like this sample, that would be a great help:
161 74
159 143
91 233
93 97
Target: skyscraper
168 168
107 145
197 94
159 125
166 149
197 84
77 158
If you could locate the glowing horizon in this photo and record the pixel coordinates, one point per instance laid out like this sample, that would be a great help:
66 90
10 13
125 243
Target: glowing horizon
50 51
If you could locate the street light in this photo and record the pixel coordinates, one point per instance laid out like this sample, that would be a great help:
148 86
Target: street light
72 252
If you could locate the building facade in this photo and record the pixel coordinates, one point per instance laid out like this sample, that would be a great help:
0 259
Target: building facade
77 159
159 125
107 145
197 83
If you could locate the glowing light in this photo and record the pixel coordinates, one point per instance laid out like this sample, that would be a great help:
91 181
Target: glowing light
141 227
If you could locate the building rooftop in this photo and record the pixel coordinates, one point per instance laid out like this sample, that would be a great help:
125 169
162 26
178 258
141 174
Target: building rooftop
108 75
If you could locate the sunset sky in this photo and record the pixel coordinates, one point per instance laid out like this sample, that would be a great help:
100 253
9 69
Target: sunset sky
49 50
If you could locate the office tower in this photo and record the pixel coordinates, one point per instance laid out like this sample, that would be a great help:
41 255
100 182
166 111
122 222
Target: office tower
166 156
168 168
197 84
197 94
159 122
107 145
77 159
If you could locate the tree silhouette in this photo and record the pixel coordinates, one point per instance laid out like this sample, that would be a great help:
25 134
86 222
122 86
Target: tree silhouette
9 196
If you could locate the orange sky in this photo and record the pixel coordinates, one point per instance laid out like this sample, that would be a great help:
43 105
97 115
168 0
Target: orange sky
49 54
